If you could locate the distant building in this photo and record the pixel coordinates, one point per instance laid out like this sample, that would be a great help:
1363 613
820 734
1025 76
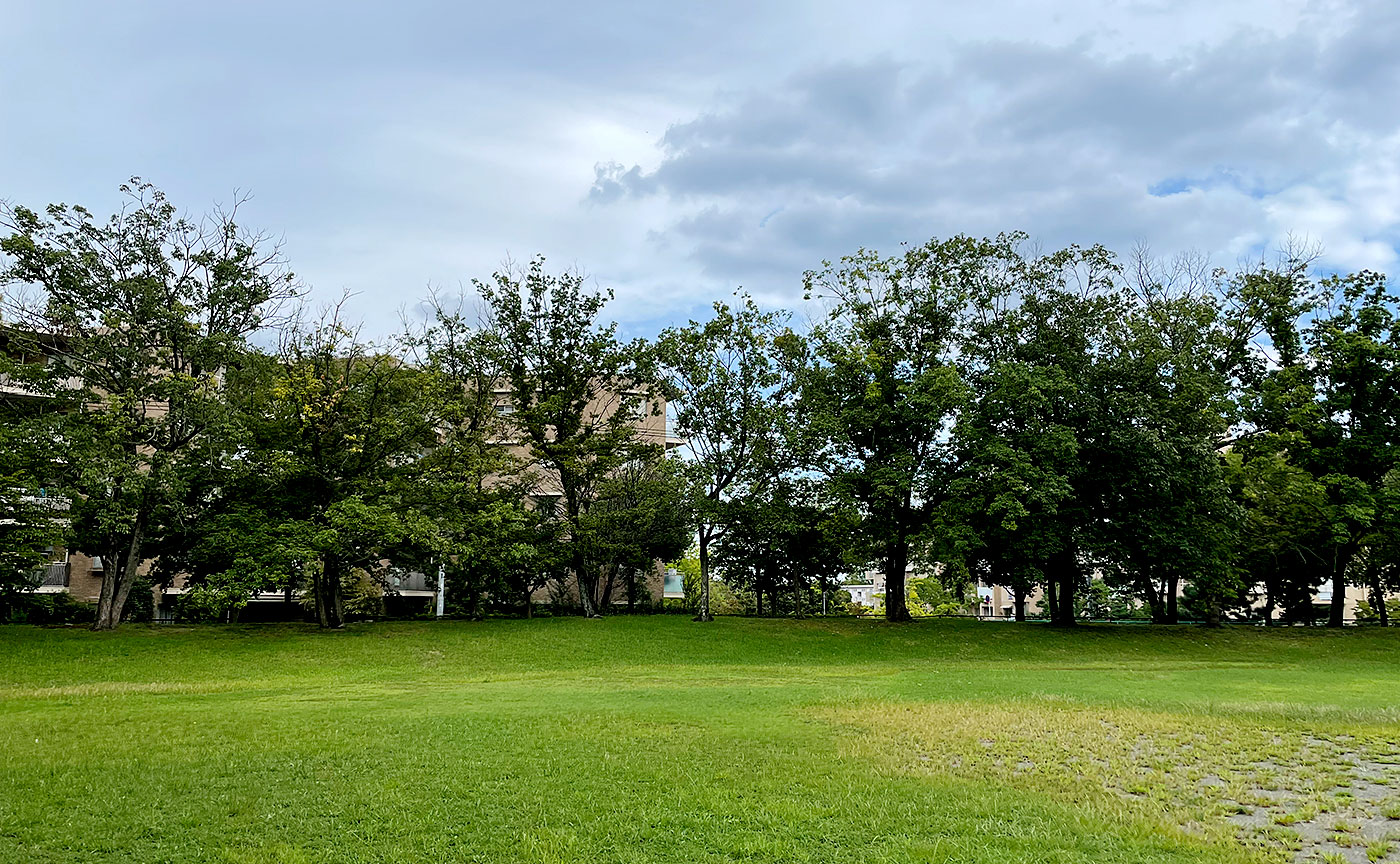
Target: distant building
995 602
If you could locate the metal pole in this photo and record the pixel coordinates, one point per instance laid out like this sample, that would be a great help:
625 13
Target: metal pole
442 590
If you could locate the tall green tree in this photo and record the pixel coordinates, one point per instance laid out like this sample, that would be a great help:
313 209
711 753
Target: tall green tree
642 514
1169 518
471 484
344 432
139 315
225 540
1017 460
788 545
32 520
575 394
720 379
1284 532
31 524
1355 439
883 389
1380 569
1029 481
1328 406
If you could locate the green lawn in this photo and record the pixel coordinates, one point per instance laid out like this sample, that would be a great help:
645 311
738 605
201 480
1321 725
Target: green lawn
656 739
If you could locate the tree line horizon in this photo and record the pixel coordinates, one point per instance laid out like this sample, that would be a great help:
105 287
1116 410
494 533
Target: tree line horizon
1062 422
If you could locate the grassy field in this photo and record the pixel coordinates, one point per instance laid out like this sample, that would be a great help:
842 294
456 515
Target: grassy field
655 739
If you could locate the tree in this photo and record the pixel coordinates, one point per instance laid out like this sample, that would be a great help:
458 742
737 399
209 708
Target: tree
641 515
929 596
1328 408
1284 529
790 545
1169 519
340 451
1381 567
1016 463
575 391
139 316
1355 439
719 379
723 600
1027 485
29 525
882 388
469 483
1102 602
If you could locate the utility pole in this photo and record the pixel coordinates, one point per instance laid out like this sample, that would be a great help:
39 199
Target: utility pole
441 590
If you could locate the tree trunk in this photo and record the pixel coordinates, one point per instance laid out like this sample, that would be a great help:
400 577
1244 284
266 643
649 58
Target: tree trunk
758 596
1067 601
318 594
896 562
1378 598
110 577
116 582
1063 566
1148 587
1173 615
704 613
585 585
1337 612
474 591
587 579
1213 615
330 604
1018 601
605 592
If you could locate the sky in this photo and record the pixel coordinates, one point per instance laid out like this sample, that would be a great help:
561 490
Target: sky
676 152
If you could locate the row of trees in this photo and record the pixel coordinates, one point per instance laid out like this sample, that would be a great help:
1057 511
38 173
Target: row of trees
1055 421
163 381
1060 422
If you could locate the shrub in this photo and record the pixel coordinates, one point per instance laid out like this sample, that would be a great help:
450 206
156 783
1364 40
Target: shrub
141 602
52 609
1367 614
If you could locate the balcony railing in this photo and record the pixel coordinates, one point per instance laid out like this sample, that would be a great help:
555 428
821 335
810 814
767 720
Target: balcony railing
49 502
410 581
54 575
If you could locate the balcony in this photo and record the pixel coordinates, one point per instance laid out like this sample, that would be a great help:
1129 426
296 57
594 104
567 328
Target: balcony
410 583
53 577
49 502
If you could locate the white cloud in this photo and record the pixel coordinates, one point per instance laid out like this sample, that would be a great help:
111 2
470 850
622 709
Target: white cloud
730 143
1226 147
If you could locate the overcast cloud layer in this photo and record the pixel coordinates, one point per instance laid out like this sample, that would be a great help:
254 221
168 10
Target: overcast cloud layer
676 152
